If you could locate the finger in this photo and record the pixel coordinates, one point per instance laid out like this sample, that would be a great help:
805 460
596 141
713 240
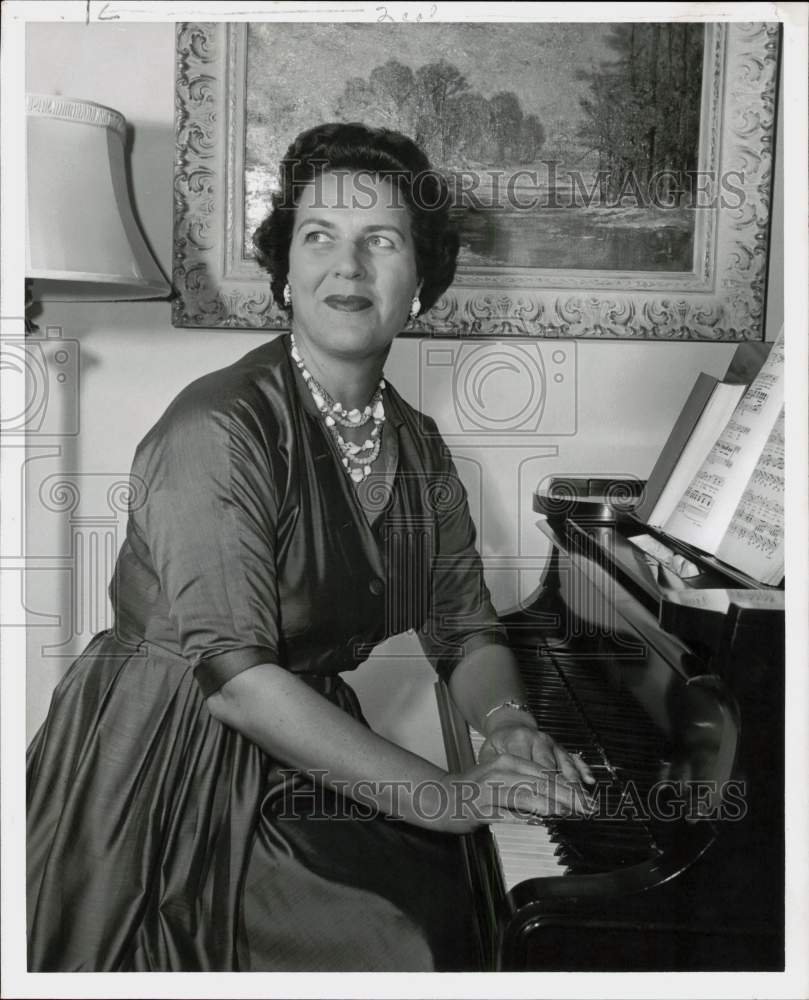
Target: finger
516 740
523 747
555 761
550 795
487 754
566 765
495 799
513 766
502 814
520 783
584 770
542 751
548 799
568 798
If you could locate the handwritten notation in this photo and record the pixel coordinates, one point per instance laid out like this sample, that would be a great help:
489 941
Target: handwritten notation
383 17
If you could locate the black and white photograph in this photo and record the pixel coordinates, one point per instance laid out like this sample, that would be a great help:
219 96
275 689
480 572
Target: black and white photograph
404 530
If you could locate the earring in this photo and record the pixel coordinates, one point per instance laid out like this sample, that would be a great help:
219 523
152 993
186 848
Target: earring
415 307
287 295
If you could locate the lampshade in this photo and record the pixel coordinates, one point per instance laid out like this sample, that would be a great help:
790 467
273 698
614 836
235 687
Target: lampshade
83 240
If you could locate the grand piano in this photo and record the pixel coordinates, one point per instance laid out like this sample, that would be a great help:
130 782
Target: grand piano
672 689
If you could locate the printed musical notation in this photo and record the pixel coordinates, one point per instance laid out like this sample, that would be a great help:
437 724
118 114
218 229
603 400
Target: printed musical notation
701 495
724 453
736 431
719 599
760 536
697 503
712 481
734 505
768 480
757 525
754 399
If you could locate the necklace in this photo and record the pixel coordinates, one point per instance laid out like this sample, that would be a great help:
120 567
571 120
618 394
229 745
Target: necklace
357 459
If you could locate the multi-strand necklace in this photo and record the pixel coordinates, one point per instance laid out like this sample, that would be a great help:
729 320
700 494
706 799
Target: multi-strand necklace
357 459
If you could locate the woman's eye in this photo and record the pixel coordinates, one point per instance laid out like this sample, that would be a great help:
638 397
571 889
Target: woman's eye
380 241
316 236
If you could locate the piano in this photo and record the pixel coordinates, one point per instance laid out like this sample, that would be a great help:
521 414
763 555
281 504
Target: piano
672 690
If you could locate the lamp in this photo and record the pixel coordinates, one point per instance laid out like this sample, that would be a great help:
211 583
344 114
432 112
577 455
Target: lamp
82 238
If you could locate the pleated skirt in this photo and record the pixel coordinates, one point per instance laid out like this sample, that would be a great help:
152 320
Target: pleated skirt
161 840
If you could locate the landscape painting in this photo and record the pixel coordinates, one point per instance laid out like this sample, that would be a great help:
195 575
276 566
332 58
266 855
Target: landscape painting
575 151
608 180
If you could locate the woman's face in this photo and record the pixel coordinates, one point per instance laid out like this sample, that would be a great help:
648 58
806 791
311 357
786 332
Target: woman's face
352 265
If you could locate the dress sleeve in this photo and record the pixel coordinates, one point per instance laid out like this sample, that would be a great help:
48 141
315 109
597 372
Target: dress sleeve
462 617
209 522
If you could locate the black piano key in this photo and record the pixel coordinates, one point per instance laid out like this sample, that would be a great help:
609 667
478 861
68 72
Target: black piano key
577 705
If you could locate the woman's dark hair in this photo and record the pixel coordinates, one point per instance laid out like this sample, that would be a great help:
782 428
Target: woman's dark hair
382 153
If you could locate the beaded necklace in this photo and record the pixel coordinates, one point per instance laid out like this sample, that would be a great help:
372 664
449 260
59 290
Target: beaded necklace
357 459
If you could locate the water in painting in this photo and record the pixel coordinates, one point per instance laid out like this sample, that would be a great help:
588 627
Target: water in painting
564 145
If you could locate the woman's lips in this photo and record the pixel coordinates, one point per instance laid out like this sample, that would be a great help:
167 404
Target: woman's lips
348 303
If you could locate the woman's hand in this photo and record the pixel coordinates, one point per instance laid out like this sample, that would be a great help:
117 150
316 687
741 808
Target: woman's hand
532 744
504 788
488 690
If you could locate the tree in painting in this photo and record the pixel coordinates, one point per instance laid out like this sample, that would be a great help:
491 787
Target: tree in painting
455 124
642 115
552 136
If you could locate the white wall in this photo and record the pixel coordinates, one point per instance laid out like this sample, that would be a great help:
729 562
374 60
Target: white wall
133 361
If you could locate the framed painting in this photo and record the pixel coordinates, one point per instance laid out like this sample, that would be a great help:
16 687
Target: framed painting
608 180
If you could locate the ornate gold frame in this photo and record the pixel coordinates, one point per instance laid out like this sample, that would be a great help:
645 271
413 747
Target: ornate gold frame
720 299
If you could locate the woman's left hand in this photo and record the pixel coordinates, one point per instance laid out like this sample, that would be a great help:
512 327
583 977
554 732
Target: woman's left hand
533 744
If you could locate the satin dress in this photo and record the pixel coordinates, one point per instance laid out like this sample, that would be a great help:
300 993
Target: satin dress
160 839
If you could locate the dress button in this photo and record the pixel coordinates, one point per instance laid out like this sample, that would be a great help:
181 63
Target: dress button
376 587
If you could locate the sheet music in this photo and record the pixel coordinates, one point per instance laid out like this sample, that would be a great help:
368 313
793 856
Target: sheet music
755 538
724 484
718 599
720 407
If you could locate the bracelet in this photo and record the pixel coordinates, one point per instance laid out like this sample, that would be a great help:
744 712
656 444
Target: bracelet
510 703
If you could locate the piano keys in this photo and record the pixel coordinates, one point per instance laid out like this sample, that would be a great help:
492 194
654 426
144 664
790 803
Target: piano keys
682 866
524 850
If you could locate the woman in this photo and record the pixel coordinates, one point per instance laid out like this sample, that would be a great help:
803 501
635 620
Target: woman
205 794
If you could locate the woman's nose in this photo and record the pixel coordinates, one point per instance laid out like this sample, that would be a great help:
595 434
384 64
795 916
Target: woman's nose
349 261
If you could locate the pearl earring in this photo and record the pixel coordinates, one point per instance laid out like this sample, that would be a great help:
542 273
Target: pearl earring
415 307
287 295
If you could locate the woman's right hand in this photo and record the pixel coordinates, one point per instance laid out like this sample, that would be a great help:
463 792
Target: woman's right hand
504 789
291 722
